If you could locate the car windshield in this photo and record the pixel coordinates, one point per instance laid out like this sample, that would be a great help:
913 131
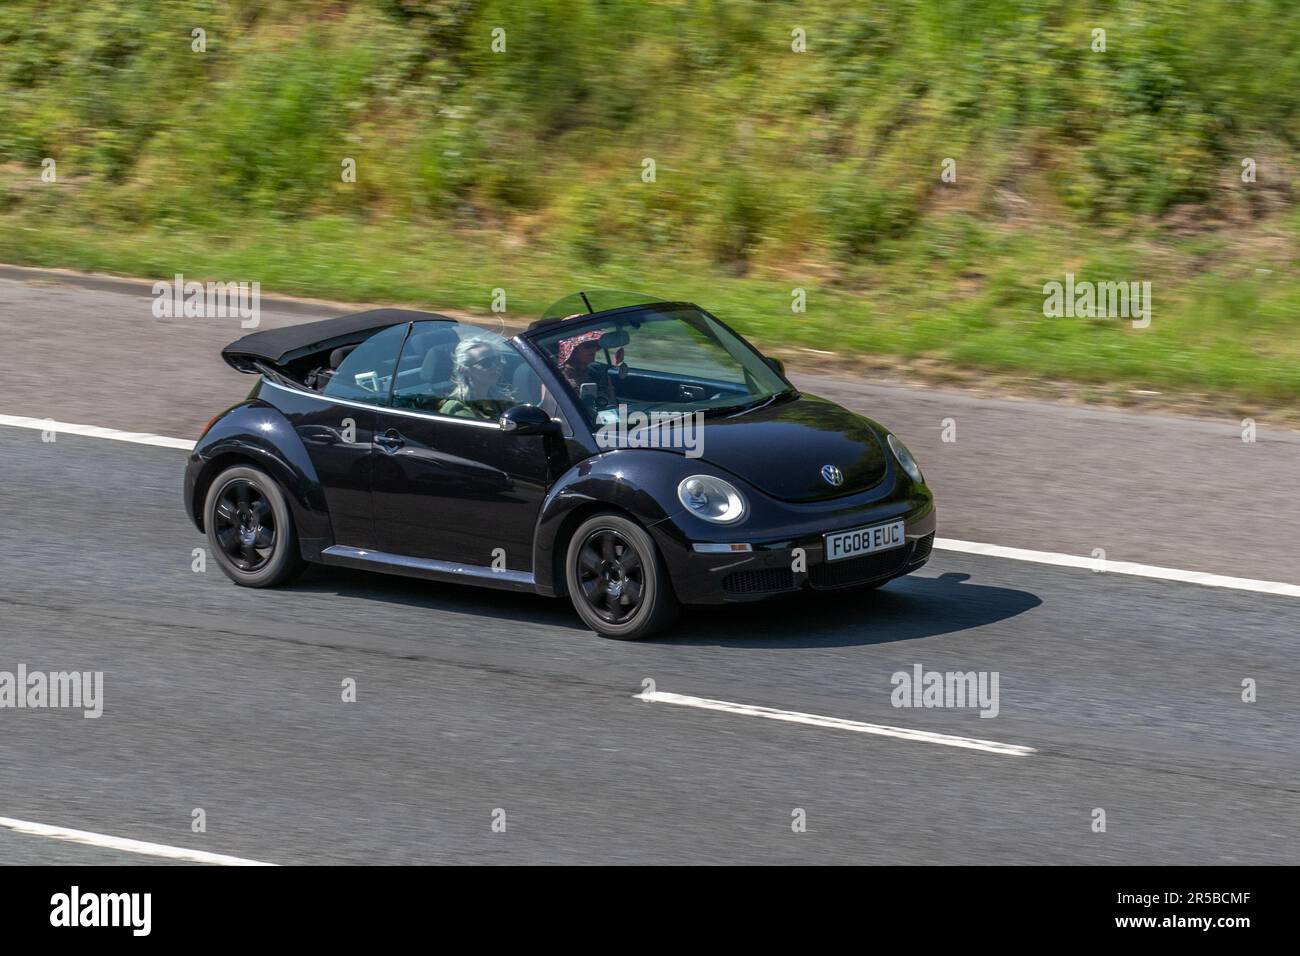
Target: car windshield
665 357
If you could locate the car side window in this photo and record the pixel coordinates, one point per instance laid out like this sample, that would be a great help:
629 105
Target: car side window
367 373
462 371
424 369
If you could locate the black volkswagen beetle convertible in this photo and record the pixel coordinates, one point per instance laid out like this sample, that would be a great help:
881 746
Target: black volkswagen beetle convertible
631 453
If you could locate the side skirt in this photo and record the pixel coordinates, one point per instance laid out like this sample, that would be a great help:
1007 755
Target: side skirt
450 571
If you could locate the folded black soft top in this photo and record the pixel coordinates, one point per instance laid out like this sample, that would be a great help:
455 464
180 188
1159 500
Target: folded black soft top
279 346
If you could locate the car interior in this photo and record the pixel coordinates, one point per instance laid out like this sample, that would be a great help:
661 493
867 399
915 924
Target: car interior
649 387
654 387
421 379
423 374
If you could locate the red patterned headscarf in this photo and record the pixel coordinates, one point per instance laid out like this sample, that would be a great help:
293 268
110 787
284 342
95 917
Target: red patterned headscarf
568 345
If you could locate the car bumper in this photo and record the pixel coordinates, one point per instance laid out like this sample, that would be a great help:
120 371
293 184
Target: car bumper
774 567
192 469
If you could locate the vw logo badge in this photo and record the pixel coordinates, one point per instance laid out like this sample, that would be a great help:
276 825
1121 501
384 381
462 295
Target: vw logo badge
832 475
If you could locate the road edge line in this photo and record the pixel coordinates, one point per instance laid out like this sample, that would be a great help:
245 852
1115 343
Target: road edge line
125 845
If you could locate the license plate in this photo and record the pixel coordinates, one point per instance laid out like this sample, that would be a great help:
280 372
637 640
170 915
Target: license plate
860 541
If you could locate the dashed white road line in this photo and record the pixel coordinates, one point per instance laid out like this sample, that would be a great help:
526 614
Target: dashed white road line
94 431
104 841
943 544
1119 567
837 723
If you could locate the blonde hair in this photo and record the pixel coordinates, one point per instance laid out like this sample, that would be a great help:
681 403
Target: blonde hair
460 359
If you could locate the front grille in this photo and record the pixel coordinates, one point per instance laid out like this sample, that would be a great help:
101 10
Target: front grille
869 567
921 550
759 580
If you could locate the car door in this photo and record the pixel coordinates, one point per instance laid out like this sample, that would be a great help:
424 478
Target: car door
337 430
456 488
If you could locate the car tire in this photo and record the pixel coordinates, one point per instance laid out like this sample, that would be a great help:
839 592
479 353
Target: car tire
617 579
250 528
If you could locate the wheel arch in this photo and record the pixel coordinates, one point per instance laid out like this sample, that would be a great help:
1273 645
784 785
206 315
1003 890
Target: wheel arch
239 438
564 534
629 483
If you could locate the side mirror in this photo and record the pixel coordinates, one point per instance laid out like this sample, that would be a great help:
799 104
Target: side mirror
777 365
528 420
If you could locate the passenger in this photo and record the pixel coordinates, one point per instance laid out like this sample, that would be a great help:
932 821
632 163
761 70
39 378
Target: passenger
576 355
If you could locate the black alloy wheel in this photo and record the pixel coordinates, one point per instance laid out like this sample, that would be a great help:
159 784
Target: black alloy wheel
612 575
250 528
245 525
617 580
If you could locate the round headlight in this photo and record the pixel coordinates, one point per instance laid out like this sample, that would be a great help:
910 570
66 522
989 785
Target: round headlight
711 498
906 460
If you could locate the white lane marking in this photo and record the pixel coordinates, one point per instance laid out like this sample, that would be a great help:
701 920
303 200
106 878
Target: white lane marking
942 544
1119 567
94 431
125 845
837 723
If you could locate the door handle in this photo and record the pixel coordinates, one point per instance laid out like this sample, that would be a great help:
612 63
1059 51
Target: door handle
390 440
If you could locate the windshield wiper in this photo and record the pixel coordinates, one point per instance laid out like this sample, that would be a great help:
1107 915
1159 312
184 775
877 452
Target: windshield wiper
733 411
755 407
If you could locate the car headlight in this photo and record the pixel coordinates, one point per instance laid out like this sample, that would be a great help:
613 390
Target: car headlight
711 498
906 460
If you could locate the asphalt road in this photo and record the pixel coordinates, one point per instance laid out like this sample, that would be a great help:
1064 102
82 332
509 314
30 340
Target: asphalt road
1154 489
470 701
474 701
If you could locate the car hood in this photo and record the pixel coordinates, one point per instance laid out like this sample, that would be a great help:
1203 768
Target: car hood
781 449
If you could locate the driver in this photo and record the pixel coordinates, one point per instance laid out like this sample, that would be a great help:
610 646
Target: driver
576 355
478 391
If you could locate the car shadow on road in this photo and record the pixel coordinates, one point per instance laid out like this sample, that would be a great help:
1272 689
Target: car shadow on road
903 610
525 609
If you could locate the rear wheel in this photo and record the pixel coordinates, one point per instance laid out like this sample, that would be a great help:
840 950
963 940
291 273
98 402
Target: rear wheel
617 580
250 529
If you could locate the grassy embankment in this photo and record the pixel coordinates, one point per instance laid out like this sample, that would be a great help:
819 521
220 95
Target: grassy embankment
774 170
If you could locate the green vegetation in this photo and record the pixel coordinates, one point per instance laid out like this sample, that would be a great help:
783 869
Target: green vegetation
774 169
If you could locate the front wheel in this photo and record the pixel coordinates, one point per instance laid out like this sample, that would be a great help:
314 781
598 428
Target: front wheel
617 579
250 529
